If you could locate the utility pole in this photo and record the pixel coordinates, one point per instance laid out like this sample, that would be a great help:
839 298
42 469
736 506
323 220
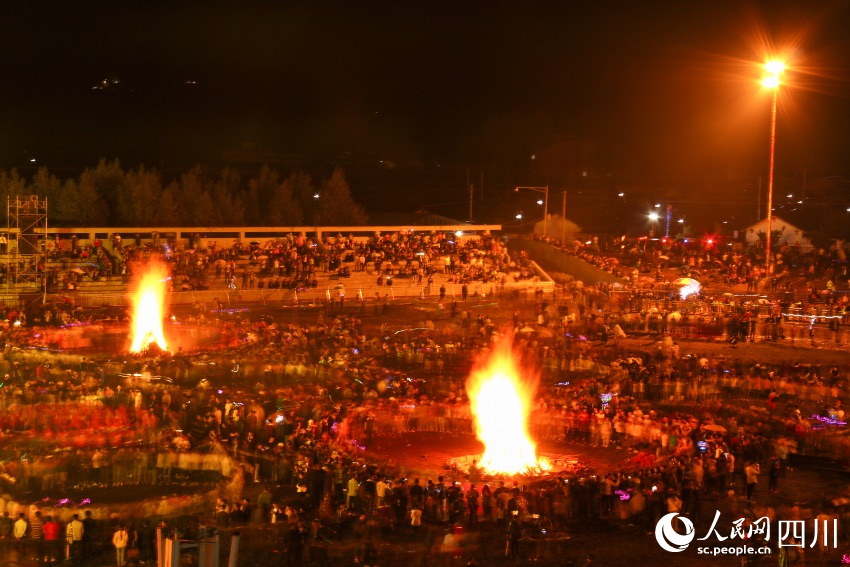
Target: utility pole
481 195
545 191
563 217
469 186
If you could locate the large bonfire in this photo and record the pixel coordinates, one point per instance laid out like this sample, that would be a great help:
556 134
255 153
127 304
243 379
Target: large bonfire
148 308
501 396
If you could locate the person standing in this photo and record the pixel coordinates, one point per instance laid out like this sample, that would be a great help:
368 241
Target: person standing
147 536
222 514
472 496
119 540
74 536
37 536
5 534
88 533
351 495
752 470
775 469
51 530
382 488
370 491
514 533
294 549
20 531
415 522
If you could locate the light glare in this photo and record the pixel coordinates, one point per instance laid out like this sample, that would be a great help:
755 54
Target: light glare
771 82
774 67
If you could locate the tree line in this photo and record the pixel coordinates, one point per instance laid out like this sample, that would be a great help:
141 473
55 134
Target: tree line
108 195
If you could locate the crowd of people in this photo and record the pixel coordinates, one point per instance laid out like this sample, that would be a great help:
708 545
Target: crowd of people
275 428
295 261
813 276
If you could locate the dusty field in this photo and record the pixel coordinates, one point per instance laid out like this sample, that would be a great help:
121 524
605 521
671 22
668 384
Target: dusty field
613 542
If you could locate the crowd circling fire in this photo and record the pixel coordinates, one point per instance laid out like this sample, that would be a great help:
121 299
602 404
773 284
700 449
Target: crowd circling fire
274 428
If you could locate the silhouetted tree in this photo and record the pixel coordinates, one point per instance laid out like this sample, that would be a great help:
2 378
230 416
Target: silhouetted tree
138 200
227 205
335 204
106 195
284 208
108 179
168 212
80 203
46 186
10 184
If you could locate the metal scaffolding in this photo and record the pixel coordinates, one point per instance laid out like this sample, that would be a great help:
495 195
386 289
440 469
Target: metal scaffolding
28 246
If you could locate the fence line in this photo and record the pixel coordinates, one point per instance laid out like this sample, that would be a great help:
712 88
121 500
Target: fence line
299 297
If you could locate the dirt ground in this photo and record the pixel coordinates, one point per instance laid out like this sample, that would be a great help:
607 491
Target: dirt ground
613 542
760 351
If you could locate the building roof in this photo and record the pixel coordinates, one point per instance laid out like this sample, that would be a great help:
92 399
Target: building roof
776 221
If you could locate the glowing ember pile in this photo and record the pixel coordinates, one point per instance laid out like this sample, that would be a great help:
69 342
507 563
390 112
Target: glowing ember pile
148 307
500 399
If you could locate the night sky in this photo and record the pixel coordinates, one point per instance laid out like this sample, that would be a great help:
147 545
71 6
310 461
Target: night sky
661 90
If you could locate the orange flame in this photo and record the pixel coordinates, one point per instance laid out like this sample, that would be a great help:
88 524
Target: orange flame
500 399
148 308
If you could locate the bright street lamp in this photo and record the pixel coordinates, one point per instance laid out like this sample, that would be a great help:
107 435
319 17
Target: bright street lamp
774 67
545 191
654 218
771 81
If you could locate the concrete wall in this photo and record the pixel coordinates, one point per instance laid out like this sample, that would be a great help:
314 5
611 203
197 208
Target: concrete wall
225 235
553 260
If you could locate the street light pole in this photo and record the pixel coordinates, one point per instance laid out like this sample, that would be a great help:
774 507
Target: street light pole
545 191
653 217
771 81
770 176
564 218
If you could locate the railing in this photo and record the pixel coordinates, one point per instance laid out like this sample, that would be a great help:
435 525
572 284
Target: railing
114 256
202 234
290 297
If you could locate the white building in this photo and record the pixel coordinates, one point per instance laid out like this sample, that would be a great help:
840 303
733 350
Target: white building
789 235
